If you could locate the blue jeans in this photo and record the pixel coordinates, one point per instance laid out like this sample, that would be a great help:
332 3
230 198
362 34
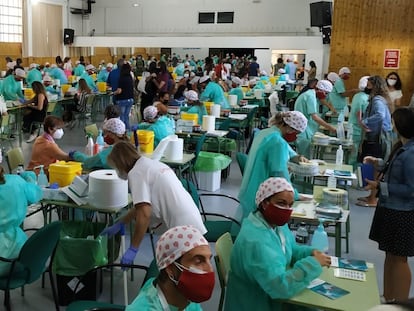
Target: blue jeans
125 107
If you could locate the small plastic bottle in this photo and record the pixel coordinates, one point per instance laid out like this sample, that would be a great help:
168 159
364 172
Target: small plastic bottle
339 156
42 180
302 235
320 239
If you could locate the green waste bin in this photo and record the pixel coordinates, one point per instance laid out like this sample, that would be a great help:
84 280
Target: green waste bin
79 250
208 169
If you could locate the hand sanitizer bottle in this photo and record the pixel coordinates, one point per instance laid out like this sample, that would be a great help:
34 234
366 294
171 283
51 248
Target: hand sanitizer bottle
42 180
100 141
339 156
320 239
89 145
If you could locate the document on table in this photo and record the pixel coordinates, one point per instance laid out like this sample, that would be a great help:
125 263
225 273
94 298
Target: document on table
327 289
339 174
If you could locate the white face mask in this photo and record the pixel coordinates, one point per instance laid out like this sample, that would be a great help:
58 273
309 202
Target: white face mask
58 134
391 82
186 75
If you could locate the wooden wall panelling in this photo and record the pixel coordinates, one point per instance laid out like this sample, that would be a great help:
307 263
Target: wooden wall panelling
362 30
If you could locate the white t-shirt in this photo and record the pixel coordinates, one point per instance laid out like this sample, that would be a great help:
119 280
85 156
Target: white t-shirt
396 94
155 183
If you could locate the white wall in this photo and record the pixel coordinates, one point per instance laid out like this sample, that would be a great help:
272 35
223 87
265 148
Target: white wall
173 17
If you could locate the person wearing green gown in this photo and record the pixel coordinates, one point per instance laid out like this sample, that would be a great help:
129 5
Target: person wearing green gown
307 103
186 275
270 154
16 193
358 107
266 264
34 74
11 87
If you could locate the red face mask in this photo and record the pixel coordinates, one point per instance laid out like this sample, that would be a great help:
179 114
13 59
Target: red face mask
291 137
274 214
320 94
196 285
109 140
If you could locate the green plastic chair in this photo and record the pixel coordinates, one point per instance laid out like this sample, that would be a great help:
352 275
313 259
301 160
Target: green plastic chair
224 246
89 305
31 262
213 222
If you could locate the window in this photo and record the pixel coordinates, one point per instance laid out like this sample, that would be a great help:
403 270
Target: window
206 18
11 21
225 17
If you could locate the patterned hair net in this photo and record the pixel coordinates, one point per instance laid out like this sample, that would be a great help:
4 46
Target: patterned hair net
115 126
175 242
270 187
296 120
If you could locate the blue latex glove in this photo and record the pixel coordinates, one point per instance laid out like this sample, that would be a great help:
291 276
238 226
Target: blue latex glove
112 230
129 256
72 154
22 100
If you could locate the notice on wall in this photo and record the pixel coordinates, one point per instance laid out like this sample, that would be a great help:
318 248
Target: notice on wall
392 58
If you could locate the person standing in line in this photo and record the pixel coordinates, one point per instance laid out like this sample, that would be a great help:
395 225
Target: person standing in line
124 94
253 68
377 126
392 225
311 71
394 90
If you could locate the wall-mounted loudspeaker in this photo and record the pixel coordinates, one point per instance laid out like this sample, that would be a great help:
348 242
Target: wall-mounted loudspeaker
321 14
326 35
68 35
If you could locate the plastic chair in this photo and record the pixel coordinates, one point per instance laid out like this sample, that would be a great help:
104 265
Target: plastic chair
31 262
92 129
5 130
189 169
14 158
39 124
241 160
86 305
224 246
81 117
214 222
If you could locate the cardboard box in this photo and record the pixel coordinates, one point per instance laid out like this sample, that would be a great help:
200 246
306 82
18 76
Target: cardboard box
209 181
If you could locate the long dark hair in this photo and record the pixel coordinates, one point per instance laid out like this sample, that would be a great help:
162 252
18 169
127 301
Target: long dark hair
398 84
2 179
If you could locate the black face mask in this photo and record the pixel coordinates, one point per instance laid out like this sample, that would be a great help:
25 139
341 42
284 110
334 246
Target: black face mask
367 91
165 101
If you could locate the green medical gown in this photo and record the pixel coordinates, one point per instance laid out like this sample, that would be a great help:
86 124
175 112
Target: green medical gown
148 299
213 92
268 157
200 110
11 89
162 128
308 105
99 160
32 76
337 100
261 272
15 195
